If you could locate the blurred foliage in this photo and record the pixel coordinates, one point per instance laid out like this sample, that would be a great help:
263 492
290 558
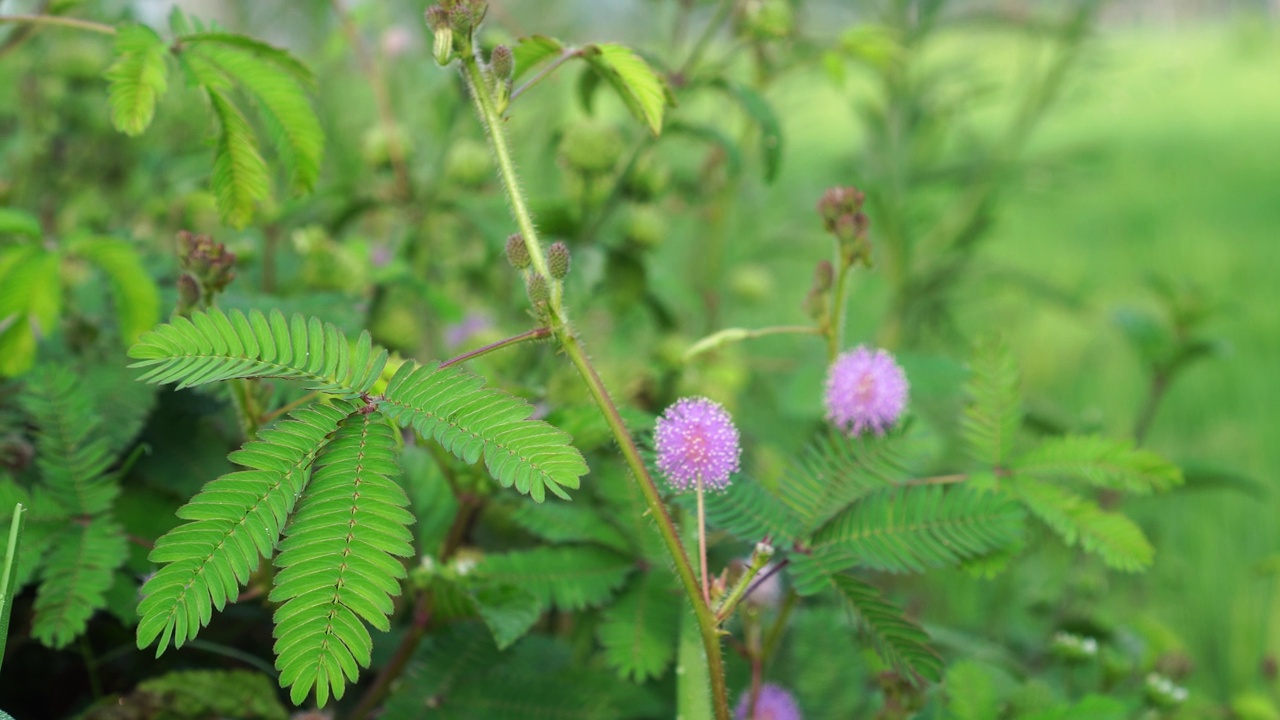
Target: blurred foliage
346 179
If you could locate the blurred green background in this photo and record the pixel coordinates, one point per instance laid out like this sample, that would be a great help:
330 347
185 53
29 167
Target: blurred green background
1160 158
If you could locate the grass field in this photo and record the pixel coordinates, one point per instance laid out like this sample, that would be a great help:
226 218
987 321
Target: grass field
1163 158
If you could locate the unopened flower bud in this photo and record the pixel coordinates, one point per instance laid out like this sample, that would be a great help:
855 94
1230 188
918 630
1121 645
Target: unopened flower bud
441 23
558 260
503 62
837 202
188 293
517 253
823 276
538 291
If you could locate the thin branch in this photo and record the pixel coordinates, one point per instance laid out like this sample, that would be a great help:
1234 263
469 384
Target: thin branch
939 480
733 335
566 55
534 334
55 20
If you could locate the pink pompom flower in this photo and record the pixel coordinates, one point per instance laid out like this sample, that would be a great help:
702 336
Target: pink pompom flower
695 437
866 390
774 703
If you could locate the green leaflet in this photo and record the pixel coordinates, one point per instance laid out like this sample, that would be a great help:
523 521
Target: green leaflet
337 560
836 471
78 571
507 610
1101 462
214 346
566 578
567 523
750 512
991 421
908 530
473 421
640 630
71 453
138 77
137 300
30 304
1112 536
232 522
900 641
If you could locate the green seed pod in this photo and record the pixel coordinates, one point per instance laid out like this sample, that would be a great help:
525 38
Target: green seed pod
517 253
558 260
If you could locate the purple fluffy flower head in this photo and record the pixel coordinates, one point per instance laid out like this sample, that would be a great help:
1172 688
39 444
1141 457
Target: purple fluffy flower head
774 703
696 437
866 390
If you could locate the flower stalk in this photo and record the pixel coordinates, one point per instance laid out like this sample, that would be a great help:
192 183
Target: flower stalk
557 320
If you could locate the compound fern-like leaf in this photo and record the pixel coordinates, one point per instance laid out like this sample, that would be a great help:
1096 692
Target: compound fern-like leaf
77 572
338 561
138 78
909 530
640 629
1101 462
750 512
214 346
232 523
273 81
900 641
566 578
473 421
991 420
567 523
71 453
837 470
1112 536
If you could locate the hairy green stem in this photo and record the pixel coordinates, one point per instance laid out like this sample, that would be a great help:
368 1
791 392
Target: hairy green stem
572 346
534 334
492 120
55 20
835 333
666 527
744 585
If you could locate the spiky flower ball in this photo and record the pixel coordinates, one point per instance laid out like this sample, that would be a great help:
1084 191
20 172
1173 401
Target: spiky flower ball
696 437
774 703
866 390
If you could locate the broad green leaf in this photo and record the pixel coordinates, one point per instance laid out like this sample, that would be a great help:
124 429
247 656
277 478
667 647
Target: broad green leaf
19 222
31 294
533 50
138 78
641 89
693 676
264 51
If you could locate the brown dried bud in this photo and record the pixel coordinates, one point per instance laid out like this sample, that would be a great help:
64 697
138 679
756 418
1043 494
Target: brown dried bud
558 260
823 276
837 202
517 253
